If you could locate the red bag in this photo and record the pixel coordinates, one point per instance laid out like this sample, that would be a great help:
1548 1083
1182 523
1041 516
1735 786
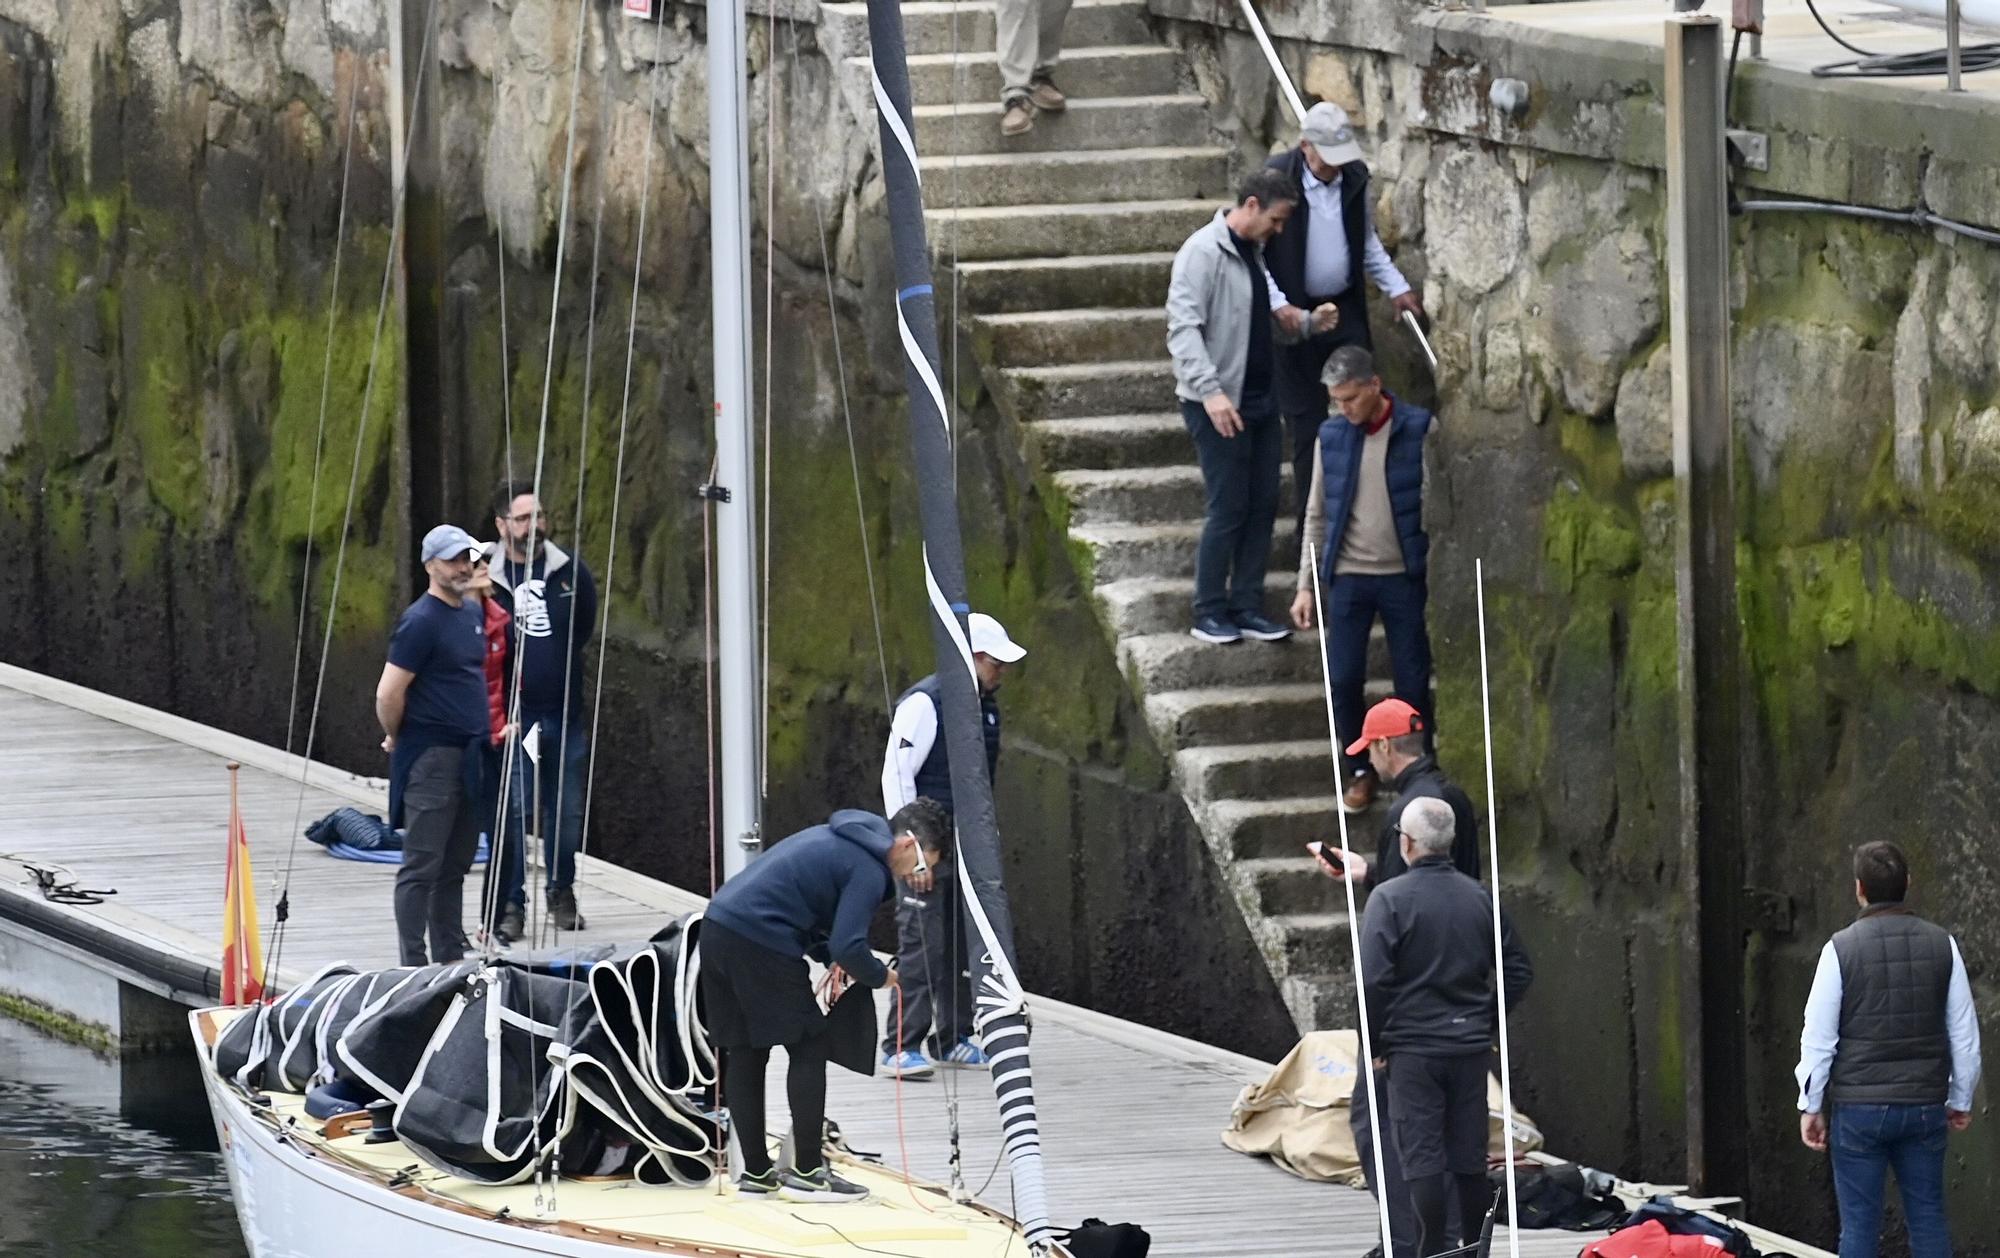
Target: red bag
1652 1240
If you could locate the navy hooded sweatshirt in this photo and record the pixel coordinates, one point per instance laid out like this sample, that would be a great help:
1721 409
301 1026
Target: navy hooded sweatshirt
815 893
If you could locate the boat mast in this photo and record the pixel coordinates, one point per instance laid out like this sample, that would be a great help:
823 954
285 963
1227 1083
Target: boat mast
734 491
989 924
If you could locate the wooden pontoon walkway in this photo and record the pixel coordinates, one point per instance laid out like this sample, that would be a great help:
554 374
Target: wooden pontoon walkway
134 799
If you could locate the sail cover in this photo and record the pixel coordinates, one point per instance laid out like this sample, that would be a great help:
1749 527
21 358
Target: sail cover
495 1068
1002 1017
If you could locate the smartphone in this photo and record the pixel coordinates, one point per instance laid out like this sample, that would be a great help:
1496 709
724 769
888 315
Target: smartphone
1325 857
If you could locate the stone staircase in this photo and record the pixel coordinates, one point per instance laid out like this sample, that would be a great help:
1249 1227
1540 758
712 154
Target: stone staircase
1063 240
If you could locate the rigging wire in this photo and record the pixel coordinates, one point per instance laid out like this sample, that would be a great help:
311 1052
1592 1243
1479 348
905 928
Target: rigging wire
396 223
847 418
582 466
325 385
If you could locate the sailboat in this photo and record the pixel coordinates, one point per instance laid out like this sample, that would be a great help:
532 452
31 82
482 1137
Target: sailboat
462 1155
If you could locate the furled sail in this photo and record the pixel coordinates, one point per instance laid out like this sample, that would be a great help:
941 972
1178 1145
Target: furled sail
1002 1016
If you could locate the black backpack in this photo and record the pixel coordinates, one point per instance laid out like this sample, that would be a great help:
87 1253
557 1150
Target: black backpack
1094 1238
1555 1196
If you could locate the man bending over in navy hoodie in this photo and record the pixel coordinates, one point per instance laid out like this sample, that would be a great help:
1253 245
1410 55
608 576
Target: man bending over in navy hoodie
813 894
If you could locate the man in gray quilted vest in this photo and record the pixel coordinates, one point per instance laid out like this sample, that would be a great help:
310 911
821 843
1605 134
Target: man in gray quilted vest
1888 1059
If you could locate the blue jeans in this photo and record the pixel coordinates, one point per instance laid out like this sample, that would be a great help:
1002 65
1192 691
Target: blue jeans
1240 475
554 789
1866 1141
1352 603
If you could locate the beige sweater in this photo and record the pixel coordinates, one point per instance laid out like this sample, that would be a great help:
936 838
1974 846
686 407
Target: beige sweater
1369 545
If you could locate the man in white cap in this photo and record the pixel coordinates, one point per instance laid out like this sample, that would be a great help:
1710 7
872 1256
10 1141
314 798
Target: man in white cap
1315 268
930 936
431 702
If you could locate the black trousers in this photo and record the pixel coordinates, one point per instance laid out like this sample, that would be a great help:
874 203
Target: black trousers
1439 1107
931 966
1362 1122
743 1071
441 838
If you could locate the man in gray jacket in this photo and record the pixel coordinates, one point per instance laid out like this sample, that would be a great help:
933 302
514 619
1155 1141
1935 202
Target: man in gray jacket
1219 333
1427 970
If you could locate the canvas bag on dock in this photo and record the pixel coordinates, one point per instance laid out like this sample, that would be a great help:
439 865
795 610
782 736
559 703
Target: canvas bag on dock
1298 1116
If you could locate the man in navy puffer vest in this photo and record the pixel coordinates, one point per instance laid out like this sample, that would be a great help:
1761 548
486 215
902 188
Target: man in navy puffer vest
1366 511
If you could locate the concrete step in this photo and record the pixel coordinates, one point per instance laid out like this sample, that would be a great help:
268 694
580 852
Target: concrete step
1321 1001
1256 828
1161 604
1115 552
1257 770
1284 885
1091 122
1094 334
1011 285
1136 495
1076 390
1112 441
1027 231
1224 715
1138 69
1174 660
1134 174
1309 944
940 26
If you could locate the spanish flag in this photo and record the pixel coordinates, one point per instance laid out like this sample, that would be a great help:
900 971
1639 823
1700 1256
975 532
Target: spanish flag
242 954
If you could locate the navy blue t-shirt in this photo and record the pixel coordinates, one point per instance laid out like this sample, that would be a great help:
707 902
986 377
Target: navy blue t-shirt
445 647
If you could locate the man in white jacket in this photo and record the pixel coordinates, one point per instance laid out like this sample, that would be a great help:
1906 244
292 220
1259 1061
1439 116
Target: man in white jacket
930 934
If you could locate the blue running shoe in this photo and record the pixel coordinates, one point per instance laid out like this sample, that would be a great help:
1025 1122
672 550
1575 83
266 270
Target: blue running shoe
966 1054
908 1065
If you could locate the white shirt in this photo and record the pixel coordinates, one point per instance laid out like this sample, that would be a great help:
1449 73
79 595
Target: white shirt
1328 268
1821 1035
912 732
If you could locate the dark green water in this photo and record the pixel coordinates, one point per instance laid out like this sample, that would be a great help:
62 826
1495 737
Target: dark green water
102 1158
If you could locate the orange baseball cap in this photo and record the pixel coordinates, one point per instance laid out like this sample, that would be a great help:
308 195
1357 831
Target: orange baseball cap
1390 718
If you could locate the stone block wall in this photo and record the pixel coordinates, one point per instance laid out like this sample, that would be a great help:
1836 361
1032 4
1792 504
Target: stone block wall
169 196
1866 373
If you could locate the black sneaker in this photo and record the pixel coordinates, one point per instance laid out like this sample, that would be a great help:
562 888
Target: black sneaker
513 924
759 1185
1216 629
820 1185
1260 627
563 913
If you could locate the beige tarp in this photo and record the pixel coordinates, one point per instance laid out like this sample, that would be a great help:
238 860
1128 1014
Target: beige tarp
1298 1116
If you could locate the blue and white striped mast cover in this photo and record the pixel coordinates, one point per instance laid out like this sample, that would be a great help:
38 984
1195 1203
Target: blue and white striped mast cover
1002 1016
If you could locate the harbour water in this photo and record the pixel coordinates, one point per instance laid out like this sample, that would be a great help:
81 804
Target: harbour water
107 1158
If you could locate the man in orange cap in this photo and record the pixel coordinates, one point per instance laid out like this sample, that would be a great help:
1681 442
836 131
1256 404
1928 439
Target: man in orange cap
1392 737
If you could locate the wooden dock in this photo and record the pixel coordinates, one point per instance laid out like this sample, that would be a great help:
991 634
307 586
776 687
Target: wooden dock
137 801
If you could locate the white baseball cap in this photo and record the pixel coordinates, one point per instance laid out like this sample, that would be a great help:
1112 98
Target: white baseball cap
1327 128
988 638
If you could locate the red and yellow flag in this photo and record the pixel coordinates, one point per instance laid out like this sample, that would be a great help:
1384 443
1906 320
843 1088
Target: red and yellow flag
242 953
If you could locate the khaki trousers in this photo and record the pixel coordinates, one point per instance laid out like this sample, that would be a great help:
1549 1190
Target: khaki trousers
1029 41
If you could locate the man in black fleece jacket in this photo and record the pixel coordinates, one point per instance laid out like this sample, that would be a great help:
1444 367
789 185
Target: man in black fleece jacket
812 895
1427 970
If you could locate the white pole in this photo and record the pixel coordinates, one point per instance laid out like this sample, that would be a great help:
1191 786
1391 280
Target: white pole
1375 1134
1499 953
735 552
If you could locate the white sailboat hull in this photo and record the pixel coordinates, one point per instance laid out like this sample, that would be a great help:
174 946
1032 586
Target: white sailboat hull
293 1206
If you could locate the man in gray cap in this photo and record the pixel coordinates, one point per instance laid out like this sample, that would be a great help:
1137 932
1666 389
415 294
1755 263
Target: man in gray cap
431 702
1317 293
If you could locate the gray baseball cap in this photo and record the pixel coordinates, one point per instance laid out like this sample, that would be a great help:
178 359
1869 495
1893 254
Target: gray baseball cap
1327 129
448 541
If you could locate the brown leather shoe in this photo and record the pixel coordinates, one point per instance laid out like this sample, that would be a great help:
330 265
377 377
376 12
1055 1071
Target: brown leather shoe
1047 96
1360 792
1019 118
